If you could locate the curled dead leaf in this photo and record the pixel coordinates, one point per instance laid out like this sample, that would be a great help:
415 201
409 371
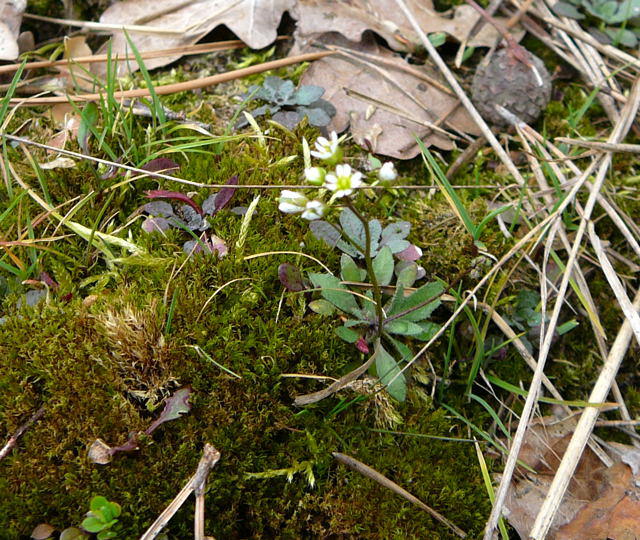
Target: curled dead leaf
100 452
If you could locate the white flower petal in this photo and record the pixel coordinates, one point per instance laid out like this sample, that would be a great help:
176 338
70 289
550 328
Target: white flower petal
289 208
314 210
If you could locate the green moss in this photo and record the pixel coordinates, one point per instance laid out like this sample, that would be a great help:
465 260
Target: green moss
102 374
62 357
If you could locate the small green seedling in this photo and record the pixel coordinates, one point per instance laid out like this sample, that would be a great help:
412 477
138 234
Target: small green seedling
101 518
610 14
288 105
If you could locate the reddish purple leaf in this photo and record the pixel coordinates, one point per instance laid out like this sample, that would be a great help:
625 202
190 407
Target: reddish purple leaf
226 193
174 407
175 195
362 346
160 164
291 277
46 278
412 253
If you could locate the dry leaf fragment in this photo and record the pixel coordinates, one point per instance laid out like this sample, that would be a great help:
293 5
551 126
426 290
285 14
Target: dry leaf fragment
10 18
254 21
352 18
405 104
601 502
42 531
58 163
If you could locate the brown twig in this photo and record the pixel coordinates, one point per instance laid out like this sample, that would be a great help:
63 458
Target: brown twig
367 471
466 156
163 90
200 48
314 397
13 440
210 456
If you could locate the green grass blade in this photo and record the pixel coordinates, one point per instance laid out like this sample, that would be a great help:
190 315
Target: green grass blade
447 190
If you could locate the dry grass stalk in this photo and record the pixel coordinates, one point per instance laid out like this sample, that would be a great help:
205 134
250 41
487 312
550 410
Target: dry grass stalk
367 471
619 132
13 440
210 456
462 96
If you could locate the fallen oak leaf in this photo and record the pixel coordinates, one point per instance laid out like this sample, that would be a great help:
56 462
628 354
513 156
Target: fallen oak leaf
602 502
179 23
353 18
376 92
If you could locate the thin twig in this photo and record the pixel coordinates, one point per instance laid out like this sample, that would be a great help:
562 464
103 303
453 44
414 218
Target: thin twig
367 471
165 89
200 48
599 145
210 456
13 440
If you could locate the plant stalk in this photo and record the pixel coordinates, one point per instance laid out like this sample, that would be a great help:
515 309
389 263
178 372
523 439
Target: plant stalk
377 293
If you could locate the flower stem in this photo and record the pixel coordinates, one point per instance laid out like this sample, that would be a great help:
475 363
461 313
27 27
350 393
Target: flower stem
377 293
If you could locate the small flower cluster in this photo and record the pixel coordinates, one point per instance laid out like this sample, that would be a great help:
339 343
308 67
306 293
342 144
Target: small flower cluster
341 181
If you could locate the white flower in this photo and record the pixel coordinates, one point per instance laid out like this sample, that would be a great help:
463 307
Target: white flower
315 175
292 202
314 210
387 172
343 181
328 150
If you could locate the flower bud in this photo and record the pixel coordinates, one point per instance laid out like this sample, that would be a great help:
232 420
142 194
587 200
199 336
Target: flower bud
315 175
292 202
314 210
328 149
387 173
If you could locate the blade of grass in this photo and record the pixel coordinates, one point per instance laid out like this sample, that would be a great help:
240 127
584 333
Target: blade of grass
157 105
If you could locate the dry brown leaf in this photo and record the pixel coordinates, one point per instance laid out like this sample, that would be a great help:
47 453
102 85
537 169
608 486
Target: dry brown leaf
67 120
174 23
254 21
352 18
42 531
10 18
600 503
387 107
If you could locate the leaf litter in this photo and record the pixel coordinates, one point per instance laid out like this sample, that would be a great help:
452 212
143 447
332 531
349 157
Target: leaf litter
384 101
601 502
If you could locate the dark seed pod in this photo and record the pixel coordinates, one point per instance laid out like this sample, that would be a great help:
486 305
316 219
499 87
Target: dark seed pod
508 82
